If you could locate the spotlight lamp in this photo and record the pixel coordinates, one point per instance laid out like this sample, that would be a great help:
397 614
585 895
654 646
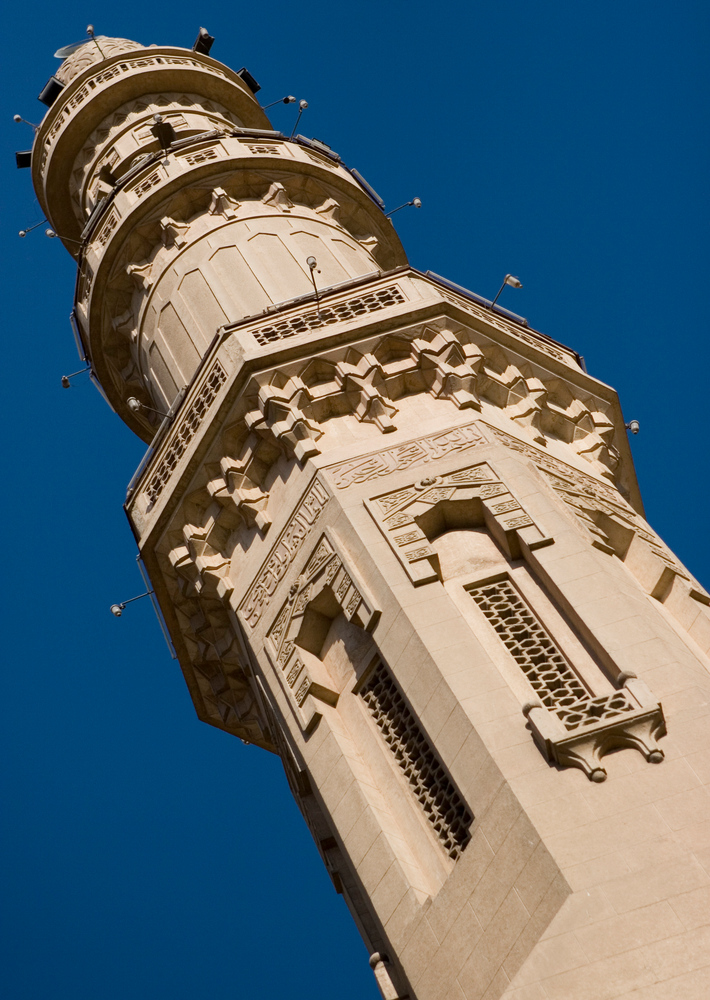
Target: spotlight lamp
52 235
302 105
135 406
163 132
203 42
416 202
289 99
24 232
19 118
66 379
511 280
92 36
118 609
313 265
633 426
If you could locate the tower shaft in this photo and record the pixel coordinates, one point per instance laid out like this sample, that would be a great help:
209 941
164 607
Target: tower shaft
397 539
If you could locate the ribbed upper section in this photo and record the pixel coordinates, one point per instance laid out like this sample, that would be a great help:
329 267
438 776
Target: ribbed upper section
185 228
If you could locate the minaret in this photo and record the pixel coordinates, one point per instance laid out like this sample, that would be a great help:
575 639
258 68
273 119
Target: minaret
397 539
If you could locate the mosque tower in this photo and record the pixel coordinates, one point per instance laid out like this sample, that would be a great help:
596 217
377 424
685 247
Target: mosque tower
397 540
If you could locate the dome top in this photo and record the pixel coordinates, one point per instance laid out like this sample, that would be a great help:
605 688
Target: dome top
95 50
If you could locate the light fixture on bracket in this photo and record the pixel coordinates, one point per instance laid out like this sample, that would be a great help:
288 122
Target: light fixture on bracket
633 426
511 280
92 36
118 609
19 118
416 202
24 232
69 50
313 265
136 406
52 235
302 105
66 379
289 99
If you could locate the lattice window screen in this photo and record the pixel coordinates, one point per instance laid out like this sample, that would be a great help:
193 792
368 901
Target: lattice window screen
557 685
433 788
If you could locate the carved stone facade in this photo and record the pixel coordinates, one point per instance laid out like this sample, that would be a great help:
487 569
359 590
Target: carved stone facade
398 540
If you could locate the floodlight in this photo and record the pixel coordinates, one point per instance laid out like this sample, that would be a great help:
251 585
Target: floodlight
51 91
246 76
163 132
203 42
416 202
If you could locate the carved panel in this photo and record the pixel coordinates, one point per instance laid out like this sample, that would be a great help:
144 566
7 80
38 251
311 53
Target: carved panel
450 365
283 553
215 660
594 504
325 589
464 498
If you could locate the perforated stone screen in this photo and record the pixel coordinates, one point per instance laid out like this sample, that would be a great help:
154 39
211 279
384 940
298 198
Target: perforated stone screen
186 430
337 313
550 675
425 773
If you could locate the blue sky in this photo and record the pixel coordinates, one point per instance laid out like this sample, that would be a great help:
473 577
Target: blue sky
144 853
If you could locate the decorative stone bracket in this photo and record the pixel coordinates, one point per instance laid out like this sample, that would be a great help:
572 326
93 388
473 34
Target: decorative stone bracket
628 718
278 411
469 497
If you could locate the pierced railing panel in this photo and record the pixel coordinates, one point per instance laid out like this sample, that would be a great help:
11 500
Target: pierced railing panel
185 431
338 312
